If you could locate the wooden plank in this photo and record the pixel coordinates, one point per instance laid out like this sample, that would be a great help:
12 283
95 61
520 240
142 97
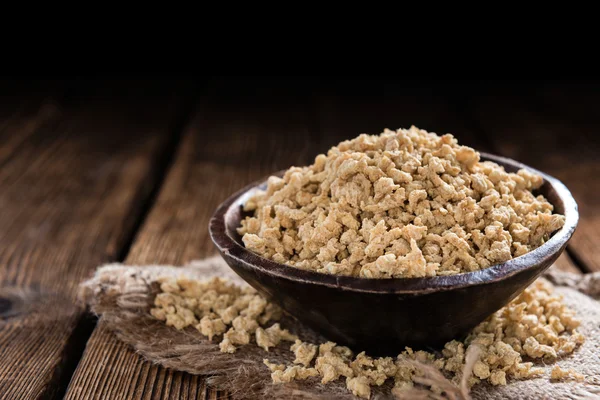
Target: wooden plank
70 194
228 145
543 128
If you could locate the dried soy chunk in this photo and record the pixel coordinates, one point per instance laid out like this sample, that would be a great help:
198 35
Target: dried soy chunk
405 203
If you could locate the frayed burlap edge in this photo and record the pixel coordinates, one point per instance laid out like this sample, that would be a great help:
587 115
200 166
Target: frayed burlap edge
123 295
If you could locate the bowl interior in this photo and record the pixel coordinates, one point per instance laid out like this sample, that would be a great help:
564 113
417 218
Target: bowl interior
230 214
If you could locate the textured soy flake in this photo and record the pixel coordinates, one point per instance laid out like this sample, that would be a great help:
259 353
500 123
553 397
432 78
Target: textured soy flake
304 352
272 336
559 374
405 203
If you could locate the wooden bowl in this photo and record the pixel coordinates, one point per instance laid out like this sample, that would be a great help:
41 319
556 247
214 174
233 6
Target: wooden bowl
383 316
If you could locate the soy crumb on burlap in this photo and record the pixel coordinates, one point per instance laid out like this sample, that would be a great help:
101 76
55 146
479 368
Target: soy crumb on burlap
536 325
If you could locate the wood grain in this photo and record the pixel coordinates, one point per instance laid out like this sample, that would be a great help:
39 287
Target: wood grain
541 129
73 179
227 146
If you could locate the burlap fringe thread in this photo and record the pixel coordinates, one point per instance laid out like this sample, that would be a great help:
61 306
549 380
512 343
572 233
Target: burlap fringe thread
123 295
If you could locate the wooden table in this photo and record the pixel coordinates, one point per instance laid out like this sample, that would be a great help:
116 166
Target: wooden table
95 172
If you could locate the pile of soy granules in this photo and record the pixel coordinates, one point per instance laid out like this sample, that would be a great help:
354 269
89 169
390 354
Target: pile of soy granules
536 326
405 203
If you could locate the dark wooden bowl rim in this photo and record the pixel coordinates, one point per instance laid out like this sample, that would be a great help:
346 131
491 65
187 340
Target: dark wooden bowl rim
227 245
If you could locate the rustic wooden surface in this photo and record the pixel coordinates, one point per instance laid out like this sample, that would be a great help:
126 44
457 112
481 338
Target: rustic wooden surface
71 191
90 174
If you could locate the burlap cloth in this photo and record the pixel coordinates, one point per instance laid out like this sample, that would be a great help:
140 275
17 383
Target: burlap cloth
122 295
